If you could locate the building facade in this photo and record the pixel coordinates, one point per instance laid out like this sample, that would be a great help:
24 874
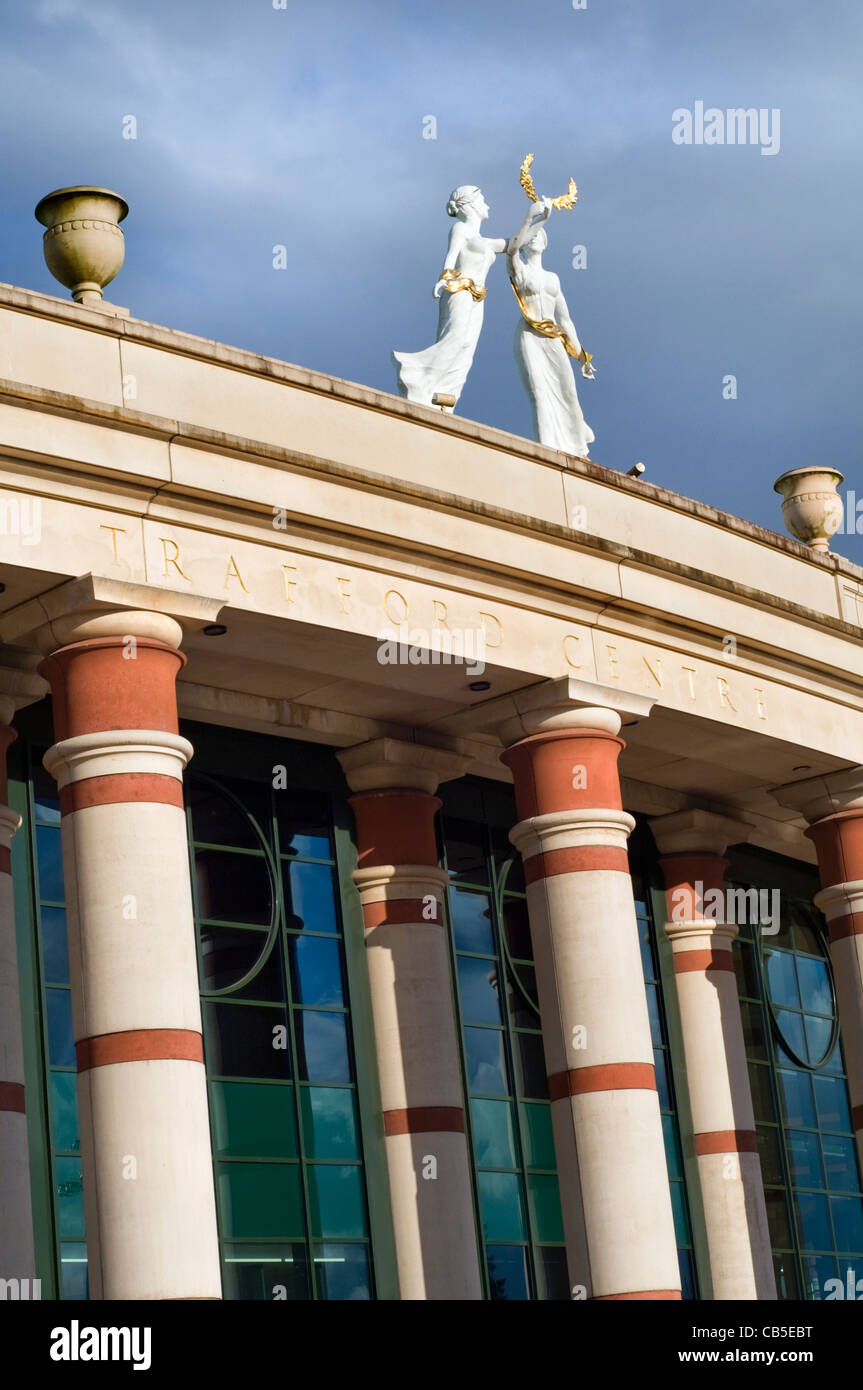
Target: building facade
429 862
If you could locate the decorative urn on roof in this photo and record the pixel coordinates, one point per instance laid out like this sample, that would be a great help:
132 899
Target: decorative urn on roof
812 509
83 244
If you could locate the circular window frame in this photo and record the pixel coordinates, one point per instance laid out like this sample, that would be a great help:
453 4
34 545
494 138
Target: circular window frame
776 1031
510 965
275 895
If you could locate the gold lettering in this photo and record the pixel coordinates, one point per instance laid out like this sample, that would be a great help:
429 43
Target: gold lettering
404 616
115 532
612 662
570 637
657 674
289 583
234 573
690 670
439 613
724 697
759 701
171 559
484 629
344 593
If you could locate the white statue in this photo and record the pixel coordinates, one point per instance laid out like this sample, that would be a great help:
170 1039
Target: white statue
441 370
546 339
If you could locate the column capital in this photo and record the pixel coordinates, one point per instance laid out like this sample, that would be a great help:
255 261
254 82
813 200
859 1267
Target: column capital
385 764
564 703
695 933
694 832
382 882
840 900
692 845
93 606
104 684
825 795
10 823
19 683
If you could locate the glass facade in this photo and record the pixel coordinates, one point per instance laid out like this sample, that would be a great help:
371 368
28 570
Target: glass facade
799 1089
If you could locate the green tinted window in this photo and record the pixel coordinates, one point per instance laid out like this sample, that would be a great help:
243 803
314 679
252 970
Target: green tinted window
509 1117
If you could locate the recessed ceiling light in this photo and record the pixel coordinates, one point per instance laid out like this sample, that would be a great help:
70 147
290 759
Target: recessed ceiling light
215 630
480 685
804 767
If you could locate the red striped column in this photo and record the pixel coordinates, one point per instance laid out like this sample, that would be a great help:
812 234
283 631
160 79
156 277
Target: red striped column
572 835
833 805
692 844
17 1259
401 889
145 1143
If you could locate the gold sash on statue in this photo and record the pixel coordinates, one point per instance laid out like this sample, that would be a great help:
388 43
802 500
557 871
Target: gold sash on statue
453 282
550 329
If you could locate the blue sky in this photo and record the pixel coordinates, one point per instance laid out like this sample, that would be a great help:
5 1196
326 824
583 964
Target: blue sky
304 127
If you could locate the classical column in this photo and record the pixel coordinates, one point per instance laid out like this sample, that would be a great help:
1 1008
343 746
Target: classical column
833 806
572 835
145 1141
401 889
18 687
692 844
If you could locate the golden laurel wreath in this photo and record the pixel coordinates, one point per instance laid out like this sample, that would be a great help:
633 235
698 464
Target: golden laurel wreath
563 203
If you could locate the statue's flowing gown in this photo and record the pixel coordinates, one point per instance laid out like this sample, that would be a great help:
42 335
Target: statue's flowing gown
444 366
546 370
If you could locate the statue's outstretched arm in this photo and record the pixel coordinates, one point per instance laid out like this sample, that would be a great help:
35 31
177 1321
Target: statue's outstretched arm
516 242
536 214
562 319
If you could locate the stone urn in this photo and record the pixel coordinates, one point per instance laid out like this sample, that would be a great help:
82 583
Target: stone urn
83 244
812 509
